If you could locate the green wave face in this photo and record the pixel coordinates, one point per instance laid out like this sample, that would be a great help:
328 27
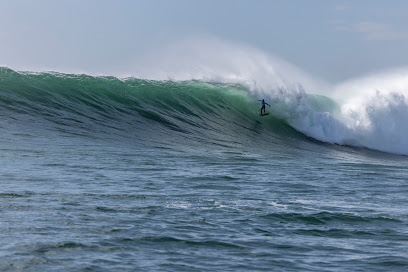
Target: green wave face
193 113
320 103
100 104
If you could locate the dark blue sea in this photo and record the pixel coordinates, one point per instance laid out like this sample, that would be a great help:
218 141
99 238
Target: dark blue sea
108 174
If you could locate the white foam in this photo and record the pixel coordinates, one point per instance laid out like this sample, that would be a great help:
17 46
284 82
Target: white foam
276 204
179 205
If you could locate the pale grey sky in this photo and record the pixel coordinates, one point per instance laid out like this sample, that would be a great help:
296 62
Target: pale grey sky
332 40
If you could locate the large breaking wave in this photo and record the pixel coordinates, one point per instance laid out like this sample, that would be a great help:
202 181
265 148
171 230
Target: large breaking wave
222 113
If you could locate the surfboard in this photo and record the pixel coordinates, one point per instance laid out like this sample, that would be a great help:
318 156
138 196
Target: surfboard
263 114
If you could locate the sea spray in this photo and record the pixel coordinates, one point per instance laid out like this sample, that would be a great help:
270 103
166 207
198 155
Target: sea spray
360 115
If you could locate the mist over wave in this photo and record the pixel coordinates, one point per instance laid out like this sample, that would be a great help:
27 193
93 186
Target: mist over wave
371 111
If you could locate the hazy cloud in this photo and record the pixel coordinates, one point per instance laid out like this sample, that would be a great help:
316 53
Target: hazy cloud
371 30
380 31
341 7
339 25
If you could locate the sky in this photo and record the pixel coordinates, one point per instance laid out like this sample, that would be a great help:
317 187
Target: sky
331 40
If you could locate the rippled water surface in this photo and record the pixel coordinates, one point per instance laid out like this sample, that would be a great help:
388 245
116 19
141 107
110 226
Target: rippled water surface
104 206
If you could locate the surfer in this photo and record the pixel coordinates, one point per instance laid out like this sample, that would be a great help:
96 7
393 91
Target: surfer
263 105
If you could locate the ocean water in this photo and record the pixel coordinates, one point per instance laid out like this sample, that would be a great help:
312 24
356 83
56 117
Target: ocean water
108 174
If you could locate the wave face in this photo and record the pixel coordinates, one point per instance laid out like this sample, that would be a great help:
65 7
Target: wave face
195 112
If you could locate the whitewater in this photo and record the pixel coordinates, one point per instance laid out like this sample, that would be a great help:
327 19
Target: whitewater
173 169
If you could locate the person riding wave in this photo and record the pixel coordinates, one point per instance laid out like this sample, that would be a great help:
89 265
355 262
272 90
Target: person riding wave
263 105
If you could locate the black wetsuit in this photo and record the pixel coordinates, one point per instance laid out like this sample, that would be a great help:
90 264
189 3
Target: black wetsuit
263 106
